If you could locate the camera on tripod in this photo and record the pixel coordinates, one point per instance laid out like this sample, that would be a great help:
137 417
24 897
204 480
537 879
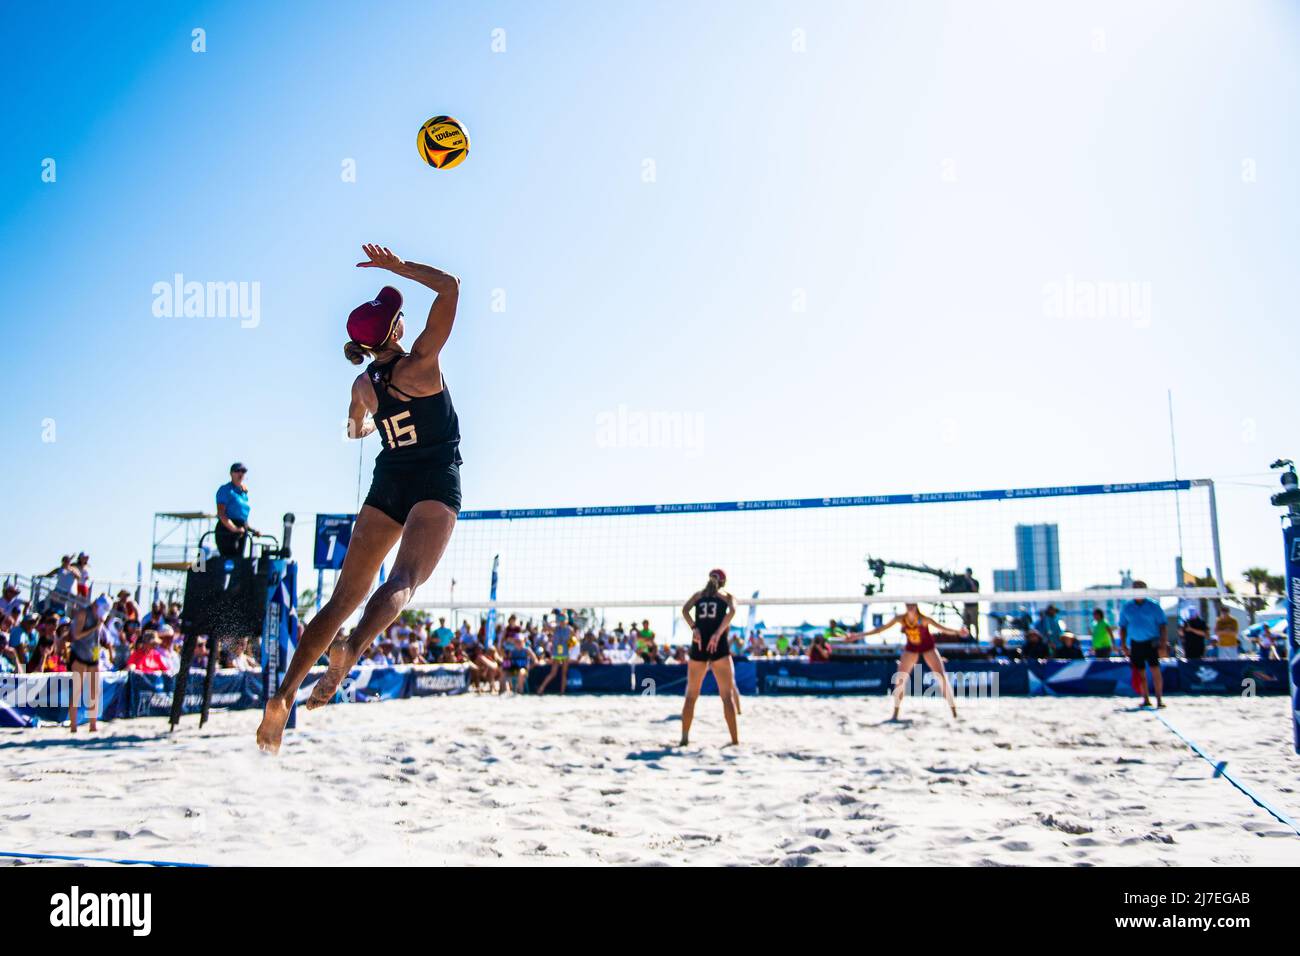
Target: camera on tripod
1289 497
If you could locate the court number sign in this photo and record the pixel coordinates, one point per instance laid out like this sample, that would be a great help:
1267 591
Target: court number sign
333 533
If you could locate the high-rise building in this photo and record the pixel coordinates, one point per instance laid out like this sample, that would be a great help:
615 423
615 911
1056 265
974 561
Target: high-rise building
1038 557
1038 568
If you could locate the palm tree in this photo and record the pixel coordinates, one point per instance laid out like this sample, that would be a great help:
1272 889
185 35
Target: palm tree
1264 583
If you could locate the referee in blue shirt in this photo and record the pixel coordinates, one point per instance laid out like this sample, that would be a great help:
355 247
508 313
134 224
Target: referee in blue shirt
232 513
1143 639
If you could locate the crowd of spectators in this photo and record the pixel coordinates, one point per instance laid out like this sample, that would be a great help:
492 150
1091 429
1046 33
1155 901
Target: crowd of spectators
1044 637
36 638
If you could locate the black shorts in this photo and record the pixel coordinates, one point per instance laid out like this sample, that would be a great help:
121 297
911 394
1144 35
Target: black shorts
396 489
1142 653
701 652
229 544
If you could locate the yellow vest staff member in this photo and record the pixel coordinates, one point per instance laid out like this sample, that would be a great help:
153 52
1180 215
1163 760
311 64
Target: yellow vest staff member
1226 633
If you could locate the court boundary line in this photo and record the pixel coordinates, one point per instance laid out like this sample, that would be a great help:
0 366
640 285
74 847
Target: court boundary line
1221 770
99 859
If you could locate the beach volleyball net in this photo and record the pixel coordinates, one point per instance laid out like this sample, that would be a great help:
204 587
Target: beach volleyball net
1007 552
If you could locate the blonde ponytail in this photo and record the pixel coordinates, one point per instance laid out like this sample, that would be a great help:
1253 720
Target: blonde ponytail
355 352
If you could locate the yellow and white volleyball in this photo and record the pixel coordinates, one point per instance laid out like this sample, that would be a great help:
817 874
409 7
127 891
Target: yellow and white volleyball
443 142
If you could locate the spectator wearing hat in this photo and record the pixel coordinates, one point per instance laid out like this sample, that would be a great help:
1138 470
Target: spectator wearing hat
156 617
1035 648
11 603
232 513
124 608
66 577
167 650
83 575
1068 649
145 657
23 632
1000 651
1049 626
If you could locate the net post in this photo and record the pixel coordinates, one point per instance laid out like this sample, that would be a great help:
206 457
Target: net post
1214 528
1289 498
1291 542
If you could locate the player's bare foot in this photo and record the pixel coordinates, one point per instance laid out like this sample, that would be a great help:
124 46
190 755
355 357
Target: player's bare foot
271 729
325 689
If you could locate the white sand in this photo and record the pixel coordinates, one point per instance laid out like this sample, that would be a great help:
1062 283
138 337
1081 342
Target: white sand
592 780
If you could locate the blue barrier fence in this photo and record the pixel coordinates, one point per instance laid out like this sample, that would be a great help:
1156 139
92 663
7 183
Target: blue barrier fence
43 696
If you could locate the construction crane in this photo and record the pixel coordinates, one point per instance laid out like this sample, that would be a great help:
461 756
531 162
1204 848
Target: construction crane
950 582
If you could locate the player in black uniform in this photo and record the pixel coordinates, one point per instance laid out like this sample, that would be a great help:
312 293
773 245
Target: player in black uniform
709 613
415 494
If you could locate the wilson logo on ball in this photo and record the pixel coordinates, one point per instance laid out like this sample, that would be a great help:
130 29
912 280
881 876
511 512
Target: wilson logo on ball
442 142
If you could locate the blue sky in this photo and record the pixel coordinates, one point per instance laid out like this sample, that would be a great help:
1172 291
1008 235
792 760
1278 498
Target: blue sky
842 268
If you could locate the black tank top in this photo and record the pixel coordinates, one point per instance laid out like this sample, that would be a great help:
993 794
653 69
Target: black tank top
414 430
709 612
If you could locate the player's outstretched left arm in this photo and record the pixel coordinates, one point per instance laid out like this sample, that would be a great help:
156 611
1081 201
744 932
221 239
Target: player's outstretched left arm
442 314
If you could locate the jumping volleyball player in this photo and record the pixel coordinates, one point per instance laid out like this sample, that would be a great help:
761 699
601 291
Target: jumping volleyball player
919 631
709 613
415 494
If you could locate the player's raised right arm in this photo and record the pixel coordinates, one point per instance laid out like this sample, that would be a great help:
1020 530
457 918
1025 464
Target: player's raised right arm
442 314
